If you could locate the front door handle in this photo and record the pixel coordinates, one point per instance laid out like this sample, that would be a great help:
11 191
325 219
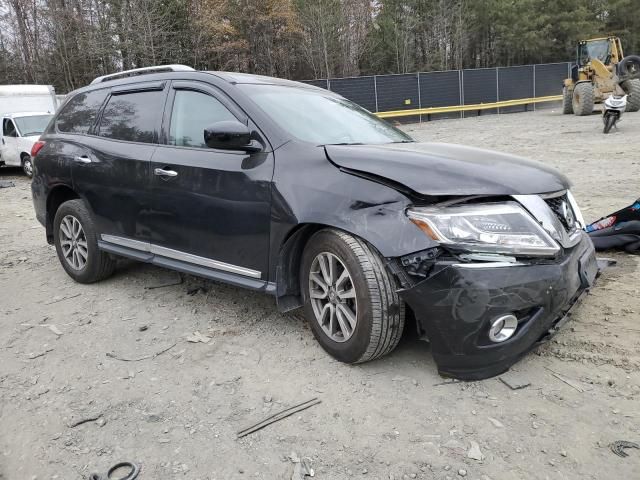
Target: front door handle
161 172
82 159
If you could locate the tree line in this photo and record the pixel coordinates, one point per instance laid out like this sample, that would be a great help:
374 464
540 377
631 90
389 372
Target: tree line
67 43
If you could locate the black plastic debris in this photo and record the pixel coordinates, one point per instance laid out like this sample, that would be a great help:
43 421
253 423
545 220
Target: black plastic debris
132 474
619 446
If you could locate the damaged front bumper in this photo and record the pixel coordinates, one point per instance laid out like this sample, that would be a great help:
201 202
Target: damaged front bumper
457 303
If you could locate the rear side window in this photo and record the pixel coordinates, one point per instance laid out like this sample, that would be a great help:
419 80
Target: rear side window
192 113
79 114
133 117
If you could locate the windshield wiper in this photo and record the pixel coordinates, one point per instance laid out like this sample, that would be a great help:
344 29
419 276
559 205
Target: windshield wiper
345 143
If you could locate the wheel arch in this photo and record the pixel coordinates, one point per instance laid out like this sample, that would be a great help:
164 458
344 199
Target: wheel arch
56 197
287 277
289 260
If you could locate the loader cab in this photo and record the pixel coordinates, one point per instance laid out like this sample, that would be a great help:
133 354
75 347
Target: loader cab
607 50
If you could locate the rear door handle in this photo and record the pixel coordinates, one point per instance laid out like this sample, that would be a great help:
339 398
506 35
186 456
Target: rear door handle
161 172
82 159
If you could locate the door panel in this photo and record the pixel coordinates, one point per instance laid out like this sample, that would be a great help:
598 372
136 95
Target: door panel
9 143
111 169
217 205
113 178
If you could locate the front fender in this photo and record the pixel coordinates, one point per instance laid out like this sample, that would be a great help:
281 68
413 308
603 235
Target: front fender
315 192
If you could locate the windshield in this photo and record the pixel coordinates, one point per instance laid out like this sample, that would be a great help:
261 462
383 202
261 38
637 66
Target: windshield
597 49
321 118
32 125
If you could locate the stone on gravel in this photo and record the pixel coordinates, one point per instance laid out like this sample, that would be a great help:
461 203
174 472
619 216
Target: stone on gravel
197 337
496 423
474 452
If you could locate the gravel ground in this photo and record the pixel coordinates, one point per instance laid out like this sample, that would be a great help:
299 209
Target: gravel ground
177 413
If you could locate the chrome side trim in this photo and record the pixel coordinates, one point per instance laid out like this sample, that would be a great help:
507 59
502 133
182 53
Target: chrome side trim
181 256
547 196
489 265
203 261
127 242
488 257
537 207
576 210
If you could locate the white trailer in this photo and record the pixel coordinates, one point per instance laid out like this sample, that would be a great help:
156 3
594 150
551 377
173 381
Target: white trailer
27 98
25 111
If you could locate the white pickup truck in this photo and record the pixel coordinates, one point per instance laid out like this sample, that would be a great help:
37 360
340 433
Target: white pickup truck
25 112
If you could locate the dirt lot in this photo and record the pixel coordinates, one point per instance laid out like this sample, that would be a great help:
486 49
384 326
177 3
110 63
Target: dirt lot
178 413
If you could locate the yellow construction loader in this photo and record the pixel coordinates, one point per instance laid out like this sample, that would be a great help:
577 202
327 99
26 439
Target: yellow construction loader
601 70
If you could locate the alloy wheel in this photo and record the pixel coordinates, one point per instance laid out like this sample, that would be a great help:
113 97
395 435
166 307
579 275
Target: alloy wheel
73 242
333 297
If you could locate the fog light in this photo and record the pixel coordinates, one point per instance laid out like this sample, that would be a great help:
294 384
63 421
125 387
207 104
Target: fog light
503 328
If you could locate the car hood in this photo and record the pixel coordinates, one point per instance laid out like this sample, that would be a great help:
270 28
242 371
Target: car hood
440 169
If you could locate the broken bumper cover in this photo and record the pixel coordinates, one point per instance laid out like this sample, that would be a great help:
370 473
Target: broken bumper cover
456 306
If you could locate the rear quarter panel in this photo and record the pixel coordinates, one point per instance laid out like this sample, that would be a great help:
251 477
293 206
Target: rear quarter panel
52 168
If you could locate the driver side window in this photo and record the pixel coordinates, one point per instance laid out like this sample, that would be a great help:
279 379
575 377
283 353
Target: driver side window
192 113
8 128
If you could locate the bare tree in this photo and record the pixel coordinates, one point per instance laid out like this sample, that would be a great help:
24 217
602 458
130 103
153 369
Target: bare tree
69 42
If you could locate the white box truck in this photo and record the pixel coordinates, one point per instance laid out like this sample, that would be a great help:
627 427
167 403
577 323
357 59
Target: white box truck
25 111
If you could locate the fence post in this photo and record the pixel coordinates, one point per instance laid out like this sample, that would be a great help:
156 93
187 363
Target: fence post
534 86
461 85
419 97
328 83
498 87
375 90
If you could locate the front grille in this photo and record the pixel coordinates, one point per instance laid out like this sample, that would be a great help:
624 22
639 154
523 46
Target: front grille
561 207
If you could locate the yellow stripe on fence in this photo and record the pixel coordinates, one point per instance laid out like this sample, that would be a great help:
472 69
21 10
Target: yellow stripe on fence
466 108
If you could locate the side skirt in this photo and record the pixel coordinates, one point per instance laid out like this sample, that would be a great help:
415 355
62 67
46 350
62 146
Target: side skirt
185 267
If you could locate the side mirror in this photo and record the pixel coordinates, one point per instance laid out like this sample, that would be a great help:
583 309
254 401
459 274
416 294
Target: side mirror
230 135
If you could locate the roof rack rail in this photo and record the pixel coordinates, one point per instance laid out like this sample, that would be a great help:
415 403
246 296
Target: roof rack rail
143 71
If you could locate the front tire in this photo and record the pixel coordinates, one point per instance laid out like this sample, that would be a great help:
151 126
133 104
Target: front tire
583 99
27 166
350 300
609 122
75 239
567 101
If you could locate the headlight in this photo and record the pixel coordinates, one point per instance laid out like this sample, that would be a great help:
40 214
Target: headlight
495 227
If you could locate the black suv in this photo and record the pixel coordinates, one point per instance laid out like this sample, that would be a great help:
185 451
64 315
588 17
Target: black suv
283 187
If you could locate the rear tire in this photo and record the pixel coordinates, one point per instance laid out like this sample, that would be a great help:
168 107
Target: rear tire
632 89
378 310
567 101
75 238
27 166
583 99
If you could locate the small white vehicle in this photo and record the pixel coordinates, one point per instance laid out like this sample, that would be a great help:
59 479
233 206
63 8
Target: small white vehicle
25 111
612 111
